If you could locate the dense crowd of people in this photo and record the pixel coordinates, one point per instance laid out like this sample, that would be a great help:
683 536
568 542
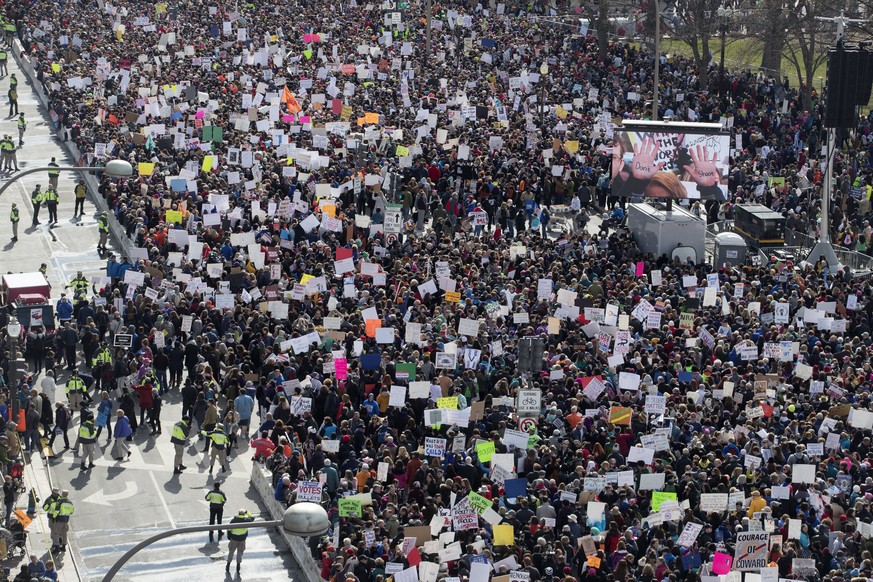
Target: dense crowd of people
363 237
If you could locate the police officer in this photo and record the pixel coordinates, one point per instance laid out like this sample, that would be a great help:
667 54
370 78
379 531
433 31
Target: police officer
53 174
75 391
216 499
22 125
81 191
179 438
237 537
50 506
12 94
4 57
50 197
8 148
14 217
79 284
64 510
219 447
36 200
88 439
101 361
103 227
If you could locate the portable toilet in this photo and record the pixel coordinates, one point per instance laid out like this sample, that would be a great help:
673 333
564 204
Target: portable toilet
729 248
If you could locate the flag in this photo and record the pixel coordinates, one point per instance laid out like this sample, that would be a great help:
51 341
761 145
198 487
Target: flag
291 101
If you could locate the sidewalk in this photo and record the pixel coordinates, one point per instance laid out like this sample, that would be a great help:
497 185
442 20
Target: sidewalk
66 248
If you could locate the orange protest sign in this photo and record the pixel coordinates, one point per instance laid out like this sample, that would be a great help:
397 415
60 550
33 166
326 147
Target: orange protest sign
22 518
453 297
619 415
329 209
593 561
372 326
291 101
371 118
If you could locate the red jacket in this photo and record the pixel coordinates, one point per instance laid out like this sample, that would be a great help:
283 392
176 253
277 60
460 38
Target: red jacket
145 395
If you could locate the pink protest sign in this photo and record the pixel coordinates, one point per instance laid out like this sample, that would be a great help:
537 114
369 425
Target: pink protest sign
640 267
341 368
721 563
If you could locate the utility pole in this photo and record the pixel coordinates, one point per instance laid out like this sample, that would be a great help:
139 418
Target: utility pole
657 88
427 46
824 248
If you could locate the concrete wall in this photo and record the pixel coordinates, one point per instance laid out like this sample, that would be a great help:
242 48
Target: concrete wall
262 482
116 230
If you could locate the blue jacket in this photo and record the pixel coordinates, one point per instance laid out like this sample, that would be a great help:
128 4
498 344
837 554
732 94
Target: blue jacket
245 405
64 309
122 428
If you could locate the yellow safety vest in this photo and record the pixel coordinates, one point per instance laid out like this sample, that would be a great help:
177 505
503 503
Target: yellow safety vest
13 215
75 384
216 498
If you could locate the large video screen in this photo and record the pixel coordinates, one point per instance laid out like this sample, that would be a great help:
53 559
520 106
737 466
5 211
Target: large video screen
655 164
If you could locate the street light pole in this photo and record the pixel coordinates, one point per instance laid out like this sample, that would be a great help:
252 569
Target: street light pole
301 519
656 93
724 14
544 70
115 168
183 530
13 332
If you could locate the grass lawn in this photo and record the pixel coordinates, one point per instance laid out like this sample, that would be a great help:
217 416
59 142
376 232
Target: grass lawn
743 53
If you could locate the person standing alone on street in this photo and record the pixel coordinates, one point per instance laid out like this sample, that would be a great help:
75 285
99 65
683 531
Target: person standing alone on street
103 228
51 201
179 438
216 499
88 440
122 431
237 537
14 217
13 101
36 200
22 126
53 174
81 191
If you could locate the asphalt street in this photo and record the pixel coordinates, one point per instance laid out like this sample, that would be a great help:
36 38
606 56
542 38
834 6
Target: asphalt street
117 504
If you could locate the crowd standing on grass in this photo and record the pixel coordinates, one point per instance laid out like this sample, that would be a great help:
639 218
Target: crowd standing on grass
343 245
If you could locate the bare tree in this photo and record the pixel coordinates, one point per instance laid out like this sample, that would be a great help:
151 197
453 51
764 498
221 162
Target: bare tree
695 23
808 39
597 13
773 18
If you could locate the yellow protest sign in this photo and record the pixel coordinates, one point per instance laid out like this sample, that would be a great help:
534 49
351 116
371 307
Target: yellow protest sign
485 451
659 497
402 151
207 163
174 216
306 278
504 535
329 209
56 68
450 403
561 112
572 146
453 296
146 168
347 113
